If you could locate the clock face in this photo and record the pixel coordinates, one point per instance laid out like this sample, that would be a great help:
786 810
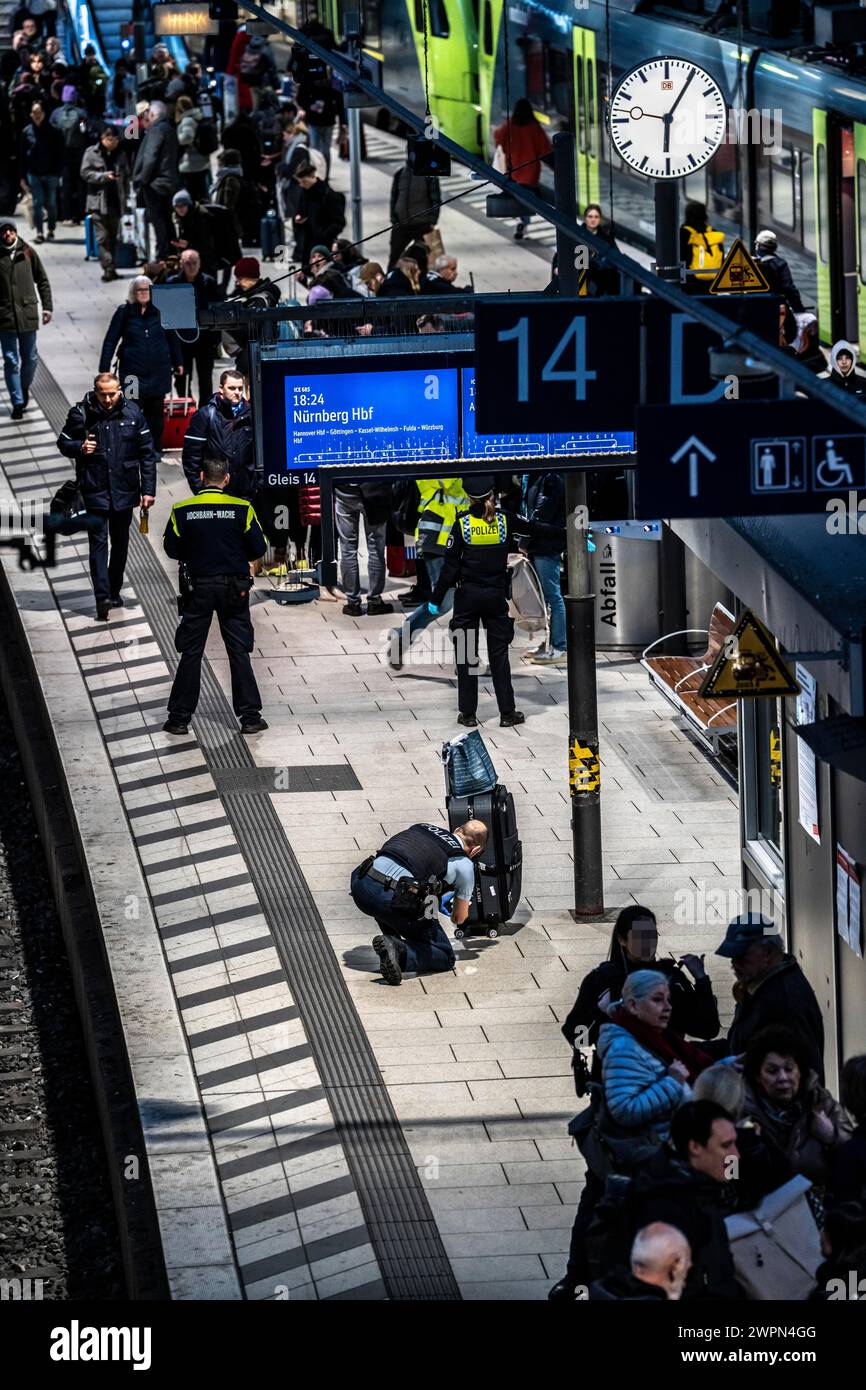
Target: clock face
667 118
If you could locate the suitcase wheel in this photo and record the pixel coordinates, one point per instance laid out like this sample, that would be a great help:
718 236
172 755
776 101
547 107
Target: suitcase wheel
459 933
492 932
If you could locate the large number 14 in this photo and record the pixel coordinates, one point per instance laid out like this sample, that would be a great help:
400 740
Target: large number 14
551 371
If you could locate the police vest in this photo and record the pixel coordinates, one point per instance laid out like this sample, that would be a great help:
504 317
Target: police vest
477 531
706 252
424 850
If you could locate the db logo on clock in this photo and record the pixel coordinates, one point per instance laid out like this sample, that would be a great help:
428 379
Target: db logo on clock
667 86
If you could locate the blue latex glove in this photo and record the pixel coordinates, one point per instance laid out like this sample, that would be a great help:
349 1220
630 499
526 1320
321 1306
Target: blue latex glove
446 904
433 608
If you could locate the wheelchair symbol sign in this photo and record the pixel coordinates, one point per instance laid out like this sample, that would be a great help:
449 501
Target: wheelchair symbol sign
838 461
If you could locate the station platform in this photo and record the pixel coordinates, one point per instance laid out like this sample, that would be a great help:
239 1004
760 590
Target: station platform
310 1132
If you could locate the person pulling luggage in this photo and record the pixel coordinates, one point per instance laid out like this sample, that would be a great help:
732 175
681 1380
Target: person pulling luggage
401 888
476 563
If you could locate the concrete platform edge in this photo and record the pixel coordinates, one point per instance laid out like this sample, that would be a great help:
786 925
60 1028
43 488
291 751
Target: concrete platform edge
43 707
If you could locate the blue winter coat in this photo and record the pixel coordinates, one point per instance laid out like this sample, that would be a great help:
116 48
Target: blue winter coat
638 1092
123 466
147 351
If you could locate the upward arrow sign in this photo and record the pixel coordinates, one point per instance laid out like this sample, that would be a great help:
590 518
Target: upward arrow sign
693 447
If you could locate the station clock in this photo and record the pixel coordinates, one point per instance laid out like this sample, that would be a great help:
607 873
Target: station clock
667 118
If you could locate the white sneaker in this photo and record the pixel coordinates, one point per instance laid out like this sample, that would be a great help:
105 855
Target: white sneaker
536 651
553 657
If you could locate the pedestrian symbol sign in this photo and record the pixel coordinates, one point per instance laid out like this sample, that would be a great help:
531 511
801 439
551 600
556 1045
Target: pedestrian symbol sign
748 665
740 274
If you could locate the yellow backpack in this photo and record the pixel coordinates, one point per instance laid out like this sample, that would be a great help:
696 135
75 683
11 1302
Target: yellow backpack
707 252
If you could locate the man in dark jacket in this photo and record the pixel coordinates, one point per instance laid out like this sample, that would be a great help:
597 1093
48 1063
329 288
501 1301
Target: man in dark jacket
194 229
43 156
777 270
659 1263
223 429
771 988
104 175
21 277
320 216
372 501
843 370
108 438
255 291
684 1186
415 202
201 353
544 501
155 174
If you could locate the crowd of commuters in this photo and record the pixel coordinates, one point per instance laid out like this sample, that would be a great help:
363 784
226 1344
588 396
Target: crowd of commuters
686 1128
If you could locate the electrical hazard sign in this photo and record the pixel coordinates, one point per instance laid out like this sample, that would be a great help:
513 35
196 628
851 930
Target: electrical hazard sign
740 274
748 665
584 774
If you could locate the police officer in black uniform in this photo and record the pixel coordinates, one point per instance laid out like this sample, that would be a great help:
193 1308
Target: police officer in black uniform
401 887
215 536
476 563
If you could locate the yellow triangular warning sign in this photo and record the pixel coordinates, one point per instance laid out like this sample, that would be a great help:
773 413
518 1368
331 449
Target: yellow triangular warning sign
740 274
748 665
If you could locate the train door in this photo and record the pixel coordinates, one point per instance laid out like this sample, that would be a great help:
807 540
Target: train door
840 243
587 116
860 227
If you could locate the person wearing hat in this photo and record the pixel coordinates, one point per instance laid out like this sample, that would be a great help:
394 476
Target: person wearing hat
777 270
21 276
193 230
254 291
476 566
770 988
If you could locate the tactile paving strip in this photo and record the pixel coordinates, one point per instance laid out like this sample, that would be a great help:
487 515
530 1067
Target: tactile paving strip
270 781
402 1230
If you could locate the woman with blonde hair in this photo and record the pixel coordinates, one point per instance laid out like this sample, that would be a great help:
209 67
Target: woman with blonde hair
147 354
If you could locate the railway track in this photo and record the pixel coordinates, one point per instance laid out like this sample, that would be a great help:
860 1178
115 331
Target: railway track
58 1238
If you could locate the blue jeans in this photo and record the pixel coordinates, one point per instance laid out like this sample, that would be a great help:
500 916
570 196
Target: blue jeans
44 190
19 363
321 139
420 618
549 572
425 945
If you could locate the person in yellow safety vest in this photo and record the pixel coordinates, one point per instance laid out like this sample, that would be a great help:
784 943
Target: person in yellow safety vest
441 499
476 564
702 248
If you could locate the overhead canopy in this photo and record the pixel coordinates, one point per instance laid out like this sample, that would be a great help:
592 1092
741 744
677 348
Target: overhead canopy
806 585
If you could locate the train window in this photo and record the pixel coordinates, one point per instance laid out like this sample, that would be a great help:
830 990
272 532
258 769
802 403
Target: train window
782 188
487 38
695 186
807 199
439 26
533 50
558 73
861 229
823 252
420 16
372 32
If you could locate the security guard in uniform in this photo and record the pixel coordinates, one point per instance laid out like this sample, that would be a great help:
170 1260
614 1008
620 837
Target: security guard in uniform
401 887
214 536
476 562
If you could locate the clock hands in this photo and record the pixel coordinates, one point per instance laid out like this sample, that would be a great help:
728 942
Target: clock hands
669 118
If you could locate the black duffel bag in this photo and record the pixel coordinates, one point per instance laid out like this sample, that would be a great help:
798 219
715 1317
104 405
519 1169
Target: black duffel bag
67 513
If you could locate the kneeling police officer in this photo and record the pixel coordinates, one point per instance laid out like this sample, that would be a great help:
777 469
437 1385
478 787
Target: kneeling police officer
214 536
401 887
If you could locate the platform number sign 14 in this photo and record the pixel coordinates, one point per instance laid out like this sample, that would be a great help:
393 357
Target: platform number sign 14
667 118
556 368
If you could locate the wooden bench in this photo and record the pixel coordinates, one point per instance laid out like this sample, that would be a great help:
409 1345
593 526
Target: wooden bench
679 679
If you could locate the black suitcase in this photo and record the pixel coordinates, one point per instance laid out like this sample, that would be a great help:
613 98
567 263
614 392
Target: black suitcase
499 869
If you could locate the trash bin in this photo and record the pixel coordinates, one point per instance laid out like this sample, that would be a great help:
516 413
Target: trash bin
626 567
